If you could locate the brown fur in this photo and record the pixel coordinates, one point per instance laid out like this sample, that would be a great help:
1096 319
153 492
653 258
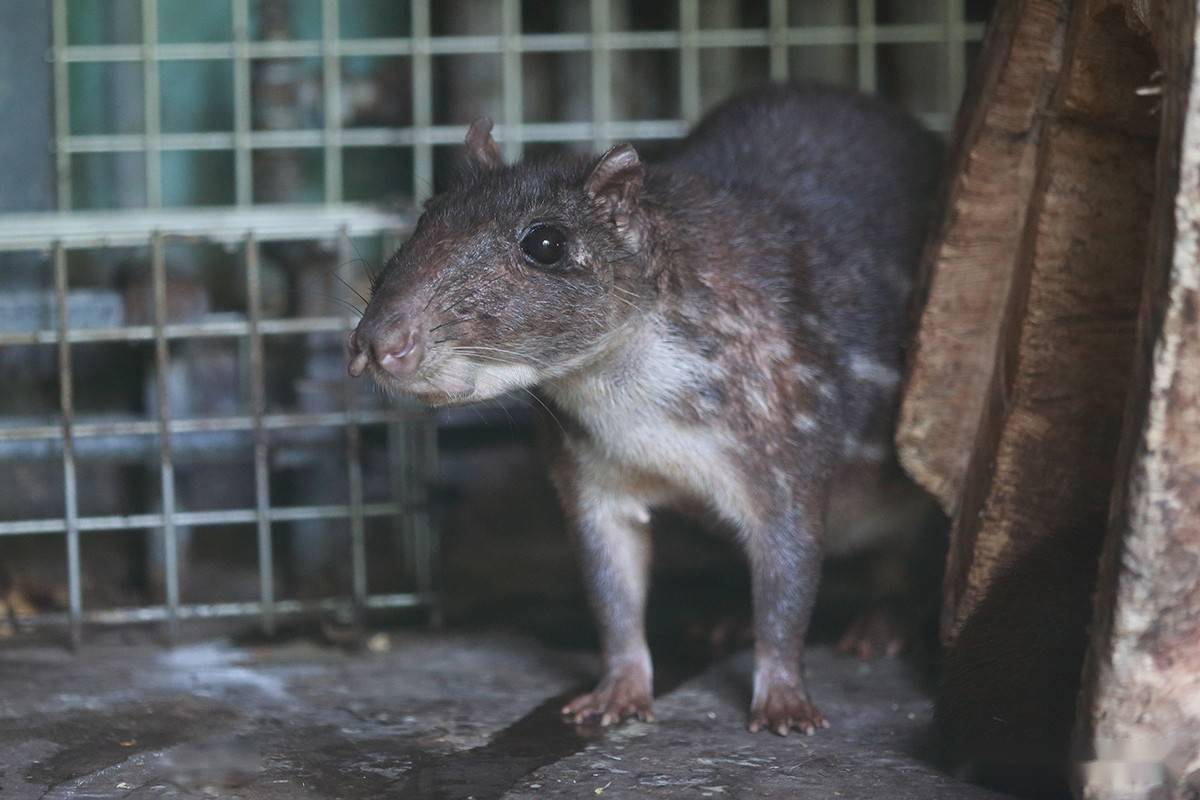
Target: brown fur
724 328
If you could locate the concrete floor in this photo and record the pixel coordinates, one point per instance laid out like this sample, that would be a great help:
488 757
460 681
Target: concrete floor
445 715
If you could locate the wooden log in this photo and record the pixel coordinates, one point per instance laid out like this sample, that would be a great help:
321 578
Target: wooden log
1030 516
1042 458
1138 730
970 261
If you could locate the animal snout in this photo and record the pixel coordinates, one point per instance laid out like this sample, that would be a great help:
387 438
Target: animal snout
398 349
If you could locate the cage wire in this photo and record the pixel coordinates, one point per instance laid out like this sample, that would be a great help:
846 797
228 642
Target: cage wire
208 151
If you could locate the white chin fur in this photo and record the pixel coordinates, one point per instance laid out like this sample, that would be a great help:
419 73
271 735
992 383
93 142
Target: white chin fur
493 380
459 380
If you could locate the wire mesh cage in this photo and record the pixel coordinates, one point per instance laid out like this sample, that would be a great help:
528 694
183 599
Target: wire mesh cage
213 448
338 88
170 328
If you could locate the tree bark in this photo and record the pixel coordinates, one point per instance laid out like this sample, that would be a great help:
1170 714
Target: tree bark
1055 280
1139 722
971 258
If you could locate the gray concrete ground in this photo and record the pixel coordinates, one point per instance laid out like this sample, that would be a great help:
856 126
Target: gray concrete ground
433 715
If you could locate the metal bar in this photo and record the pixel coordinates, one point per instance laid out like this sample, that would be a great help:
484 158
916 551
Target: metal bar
513 141
358 541
67 403
533 42
258 403
243 166
422 99
151 102
271 422
232 516
778 13
955 44
867 39
402 459
397 457
689 59
79 229
425 529
145 614
162 365
59 234
62 104
188 330
332 78
601 74
356 137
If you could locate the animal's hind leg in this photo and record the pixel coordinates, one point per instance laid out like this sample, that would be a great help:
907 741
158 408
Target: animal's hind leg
900 535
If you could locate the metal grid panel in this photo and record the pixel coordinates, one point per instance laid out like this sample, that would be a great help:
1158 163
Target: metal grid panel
689 40
604 42
412 445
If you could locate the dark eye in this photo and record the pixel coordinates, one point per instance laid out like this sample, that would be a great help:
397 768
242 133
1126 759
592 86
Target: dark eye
544 245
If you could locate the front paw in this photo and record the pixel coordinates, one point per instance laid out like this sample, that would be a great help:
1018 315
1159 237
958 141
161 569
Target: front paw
617 698
782 709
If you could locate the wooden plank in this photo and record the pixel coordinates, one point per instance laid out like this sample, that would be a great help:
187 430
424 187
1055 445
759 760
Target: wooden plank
971 257
1139 726
1042 457
1030 516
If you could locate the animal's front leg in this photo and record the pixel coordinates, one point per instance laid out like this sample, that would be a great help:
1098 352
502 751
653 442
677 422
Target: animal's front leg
614 544
785 563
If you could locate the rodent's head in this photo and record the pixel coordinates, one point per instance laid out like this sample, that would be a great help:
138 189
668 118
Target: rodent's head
518 275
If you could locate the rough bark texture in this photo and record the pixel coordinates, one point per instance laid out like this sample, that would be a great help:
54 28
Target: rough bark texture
1139 722
1042 462
970 259
1030 517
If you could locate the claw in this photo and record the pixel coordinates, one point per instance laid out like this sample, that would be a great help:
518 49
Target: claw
617 698
783 708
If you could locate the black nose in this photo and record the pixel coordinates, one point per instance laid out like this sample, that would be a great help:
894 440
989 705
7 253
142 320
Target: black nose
397 348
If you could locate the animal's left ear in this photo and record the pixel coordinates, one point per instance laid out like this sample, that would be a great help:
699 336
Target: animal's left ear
482 149
616 182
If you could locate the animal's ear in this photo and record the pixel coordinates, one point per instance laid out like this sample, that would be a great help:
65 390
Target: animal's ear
616 181
482 149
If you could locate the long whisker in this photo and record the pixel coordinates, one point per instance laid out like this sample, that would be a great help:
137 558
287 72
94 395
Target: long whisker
471 355
346 283
542 403
366 266
347 304
473 406
442 280
341 301
498 402
485 349
453 322
462 300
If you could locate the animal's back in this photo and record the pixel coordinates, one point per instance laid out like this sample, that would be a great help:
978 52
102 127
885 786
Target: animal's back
857 178
854 167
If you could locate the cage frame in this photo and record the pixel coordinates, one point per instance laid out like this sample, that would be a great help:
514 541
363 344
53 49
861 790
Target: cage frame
247 225
54 234
511 43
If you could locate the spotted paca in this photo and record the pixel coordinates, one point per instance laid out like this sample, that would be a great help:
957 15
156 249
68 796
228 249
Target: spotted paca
722 327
